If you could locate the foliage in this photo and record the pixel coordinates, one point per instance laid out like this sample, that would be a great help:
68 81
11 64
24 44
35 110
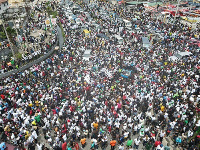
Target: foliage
47 3
19 56
2 35
11 31
48 9
53 13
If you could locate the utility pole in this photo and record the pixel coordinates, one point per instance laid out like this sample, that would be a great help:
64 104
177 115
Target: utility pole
18 35
177 10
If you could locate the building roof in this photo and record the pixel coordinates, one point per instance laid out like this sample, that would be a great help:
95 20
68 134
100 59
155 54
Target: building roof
2 1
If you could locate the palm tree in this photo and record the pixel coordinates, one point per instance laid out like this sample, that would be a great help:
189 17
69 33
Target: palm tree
2 33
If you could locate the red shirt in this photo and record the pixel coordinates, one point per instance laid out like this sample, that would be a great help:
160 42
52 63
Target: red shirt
2 96
64 146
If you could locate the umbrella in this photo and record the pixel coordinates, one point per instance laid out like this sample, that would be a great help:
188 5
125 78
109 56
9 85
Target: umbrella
3 146
157 143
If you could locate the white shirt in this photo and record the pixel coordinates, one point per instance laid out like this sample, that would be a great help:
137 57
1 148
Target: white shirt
39 147
121 147
137 142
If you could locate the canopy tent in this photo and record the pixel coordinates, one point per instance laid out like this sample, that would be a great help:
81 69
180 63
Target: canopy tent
133 3
155 3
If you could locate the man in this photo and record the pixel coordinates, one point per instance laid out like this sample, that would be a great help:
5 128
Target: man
167 147
83 142
64 146
162 134
136 143
112 144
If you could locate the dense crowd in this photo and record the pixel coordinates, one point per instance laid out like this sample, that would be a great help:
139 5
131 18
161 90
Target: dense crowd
66 102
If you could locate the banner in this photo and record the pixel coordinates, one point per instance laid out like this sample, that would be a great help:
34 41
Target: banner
19 38
53 21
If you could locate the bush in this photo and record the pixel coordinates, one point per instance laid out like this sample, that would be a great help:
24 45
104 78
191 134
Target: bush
53 13
19 56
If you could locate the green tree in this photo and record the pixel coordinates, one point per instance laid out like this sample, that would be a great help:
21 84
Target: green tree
2 35
11 31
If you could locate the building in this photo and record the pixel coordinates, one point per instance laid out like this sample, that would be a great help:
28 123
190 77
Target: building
3 5
15 3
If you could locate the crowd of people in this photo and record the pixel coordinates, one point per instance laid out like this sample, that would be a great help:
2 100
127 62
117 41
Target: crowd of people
68 103
37 39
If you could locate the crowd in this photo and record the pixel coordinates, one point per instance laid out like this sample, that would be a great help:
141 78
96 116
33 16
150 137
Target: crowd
66 102
37 40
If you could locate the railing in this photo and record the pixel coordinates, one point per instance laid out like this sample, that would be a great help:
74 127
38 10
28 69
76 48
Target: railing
3 75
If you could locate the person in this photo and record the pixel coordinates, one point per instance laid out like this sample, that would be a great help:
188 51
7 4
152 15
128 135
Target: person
83 142
76 146
3 146
162 135
39 146
64 146
136 143
112 144
167 147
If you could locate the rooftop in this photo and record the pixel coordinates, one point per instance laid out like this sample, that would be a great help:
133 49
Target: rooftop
2 1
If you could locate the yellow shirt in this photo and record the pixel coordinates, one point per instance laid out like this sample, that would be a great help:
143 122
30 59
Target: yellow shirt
95 125
83 141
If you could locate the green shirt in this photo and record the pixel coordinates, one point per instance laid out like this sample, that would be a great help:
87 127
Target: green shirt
37 118
129 142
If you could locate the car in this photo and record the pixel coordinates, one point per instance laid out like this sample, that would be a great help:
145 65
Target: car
145 42
126 73
101 35
179 56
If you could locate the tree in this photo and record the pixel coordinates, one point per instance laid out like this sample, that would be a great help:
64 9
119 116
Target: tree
2 35
11 31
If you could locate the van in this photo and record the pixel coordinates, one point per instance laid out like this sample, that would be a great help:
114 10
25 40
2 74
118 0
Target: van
145 42
87 55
